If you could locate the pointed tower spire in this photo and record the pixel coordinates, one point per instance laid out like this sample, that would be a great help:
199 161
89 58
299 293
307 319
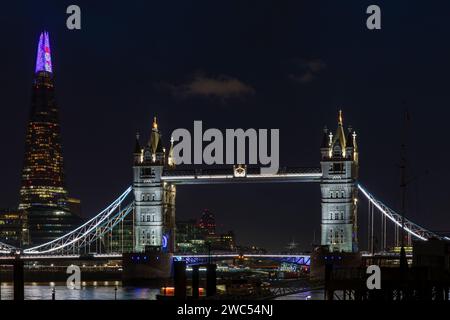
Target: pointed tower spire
44 58
137 147
325 139
154 137
137 150
339 137
170 158
350 137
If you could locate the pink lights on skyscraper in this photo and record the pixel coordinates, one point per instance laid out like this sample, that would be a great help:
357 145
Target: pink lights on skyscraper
44 60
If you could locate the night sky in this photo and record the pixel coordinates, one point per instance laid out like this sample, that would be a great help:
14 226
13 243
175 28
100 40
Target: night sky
238 64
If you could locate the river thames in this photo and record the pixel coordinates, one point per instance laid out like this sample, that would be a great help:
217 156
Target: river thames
109 290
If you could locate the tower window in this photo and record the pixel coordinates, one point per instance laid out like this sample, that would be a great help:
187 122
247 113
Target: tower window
146 172
338 167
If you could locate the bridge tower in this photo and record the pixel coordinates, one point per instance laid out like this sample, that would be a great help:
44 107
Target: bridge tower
154 214
339 189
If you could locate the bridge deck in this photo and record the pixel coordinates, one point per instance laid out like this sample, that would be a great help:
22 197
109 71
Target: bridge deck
39 257
251 175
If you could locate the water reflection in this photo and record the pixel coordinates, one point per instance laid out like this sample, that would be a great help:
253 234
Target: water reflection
106 290
306 295
97 290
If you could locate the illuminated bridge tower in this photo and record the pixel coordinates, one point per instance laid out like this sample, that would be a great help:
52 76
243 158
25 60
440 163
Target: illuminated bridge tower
43 194
339 189
154 216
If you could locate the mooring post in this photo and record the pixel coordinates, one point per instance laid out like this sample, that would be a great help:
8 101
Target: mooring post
195 281
179 279
328 292
211 280
18 279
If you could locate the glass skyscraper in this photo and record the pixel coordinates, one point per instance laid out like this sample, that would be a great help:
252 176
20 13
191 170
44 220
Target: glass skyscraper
43 194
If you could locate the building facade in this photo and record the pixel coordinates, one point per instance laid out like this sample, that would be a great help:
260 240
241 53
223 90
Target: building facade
154 214
193 237
189 237
43 194
339 189
207 222
13 227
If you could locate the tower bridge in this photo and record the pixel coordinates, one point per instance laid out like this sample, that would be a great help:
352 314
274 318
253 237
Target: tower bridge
151 201
155 180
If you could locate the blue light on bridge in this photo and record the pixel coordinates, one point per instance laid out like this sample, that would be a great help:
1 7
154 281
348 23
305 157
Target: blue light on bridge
302 260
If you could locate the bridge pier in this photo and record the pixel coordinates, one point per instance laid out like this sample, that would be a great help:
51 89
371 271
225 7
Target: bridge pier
146 267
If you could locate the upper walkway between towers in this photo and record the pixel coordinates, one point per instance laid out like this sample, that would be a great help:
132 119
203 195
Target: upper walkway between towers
241 174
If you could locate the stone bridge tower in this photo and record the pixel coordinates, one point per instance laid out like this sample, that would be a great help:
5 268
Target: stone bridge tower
339 189
154 214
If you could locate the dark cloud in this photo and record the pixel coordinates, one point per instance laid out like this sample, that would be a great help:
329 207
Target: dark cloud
201 85
306 71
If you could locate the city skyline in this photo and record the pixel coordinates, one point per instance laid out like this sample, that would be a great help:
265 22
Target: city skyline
178 97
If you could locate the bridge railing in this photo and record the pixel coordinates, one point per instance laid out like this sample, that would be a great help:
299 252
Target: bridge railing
412 228
88 232
7 249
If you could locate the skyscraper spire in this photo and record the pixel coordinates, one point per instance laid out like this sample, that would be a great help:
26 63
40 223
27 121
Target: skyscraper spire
44 58
43 192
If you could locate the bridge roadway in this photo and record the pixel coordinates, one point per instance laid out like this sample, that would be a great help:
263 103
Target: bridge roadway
53 257
190 259
247 175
